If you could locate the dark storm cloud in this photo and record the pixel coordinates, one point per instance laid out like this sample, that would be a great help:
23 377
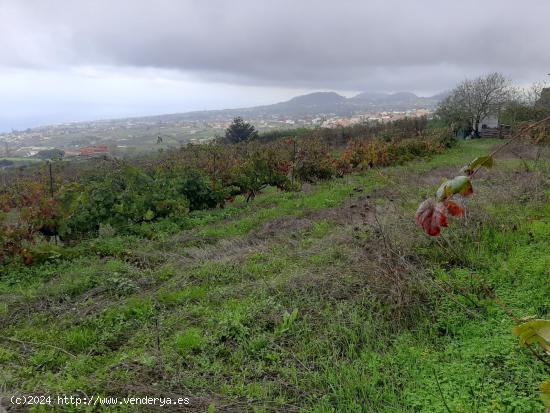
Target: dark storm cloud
343 45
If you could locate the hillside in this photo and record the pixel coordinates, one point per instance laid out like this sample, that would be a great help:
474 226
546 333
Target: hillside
140 133
401 99
330 299
318 103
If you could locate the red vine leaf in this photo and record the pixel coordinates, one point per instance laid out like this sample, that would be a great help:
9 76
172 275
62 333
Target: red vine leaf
454 208
431 217
467 190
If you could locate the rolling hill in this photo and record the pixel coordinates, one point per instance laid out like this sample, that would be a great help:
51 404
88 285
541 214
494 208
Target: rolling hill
319 103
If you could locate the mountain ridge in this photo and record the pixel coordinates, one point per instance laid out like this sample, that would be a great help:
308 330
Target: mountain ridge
316 103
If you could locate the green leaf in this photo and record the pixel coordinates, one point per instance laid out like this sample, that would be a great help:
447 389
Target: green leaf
287 322
534 331
458 185
485 161
443 192
149 215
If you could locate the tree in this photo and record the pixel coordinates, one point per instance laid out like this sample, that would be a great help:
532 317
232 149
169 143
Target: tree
474 99
50 154
531 95
240 131
526 105
543 100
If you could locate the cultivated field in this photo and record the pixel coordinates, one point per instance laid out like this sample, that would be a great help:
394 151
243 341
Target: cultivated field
330 299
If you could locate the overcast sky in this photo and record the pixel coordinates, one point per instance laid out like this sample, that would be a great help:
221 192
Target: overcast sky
68 60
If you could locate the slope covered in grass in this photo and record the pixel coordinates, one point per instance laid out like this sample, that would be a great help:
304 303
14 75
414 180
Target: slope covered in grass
325 300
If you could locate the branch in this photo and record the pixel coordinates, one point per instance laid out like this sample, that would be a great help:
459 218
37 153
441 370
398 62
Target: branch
513 138
30 343
441 392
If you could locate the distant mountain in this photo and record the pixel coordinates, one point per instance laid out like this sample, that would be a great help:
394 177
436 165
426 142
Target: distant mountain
400 100
369 97
310 104
319 103
317 99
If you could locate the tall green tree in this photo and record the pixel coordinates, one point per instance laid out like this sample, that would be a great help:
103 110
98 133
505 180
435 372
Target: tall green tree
240 131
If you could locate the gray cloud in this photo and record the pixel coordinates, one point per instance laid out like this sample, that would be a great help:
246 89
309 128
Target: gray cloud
343 45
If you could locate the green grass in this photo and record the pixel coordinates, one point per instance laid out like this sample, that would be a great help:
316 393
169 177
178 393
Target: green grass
298 319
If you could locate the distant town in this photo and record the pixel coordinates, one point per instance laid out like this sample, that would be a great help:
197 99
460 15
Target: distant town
122 137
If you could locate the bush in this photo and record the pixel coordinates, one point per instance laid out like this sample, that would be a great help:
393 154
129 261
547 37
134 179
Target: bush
201 192
260 170
361 155
120 198
413 148
314 161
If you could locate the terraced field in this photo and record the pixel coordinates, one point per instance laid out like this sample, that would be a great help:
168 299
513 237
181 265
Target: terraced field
326 300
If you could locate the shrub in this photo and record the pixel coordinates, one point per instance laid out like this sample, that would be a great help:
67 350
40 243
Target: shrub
26 211
413 148
362 155
201 192
260 170
314 161
123 197
152 195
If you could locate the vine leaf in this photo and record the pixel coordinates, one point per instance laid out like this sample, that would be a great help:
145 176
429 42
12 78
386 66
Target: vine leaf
432 216
534 331
461 185
485 161
443 192
454 208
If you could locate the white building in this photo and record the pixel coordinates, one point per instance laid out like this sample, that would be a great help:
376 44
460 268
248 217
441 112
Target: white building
488 122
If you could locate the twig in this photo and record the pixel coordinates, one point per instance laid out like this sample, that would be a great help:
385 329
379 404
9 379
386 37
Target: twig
387 243
294 356
537 355
14 340
454 300
512 139
441 392
436 285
